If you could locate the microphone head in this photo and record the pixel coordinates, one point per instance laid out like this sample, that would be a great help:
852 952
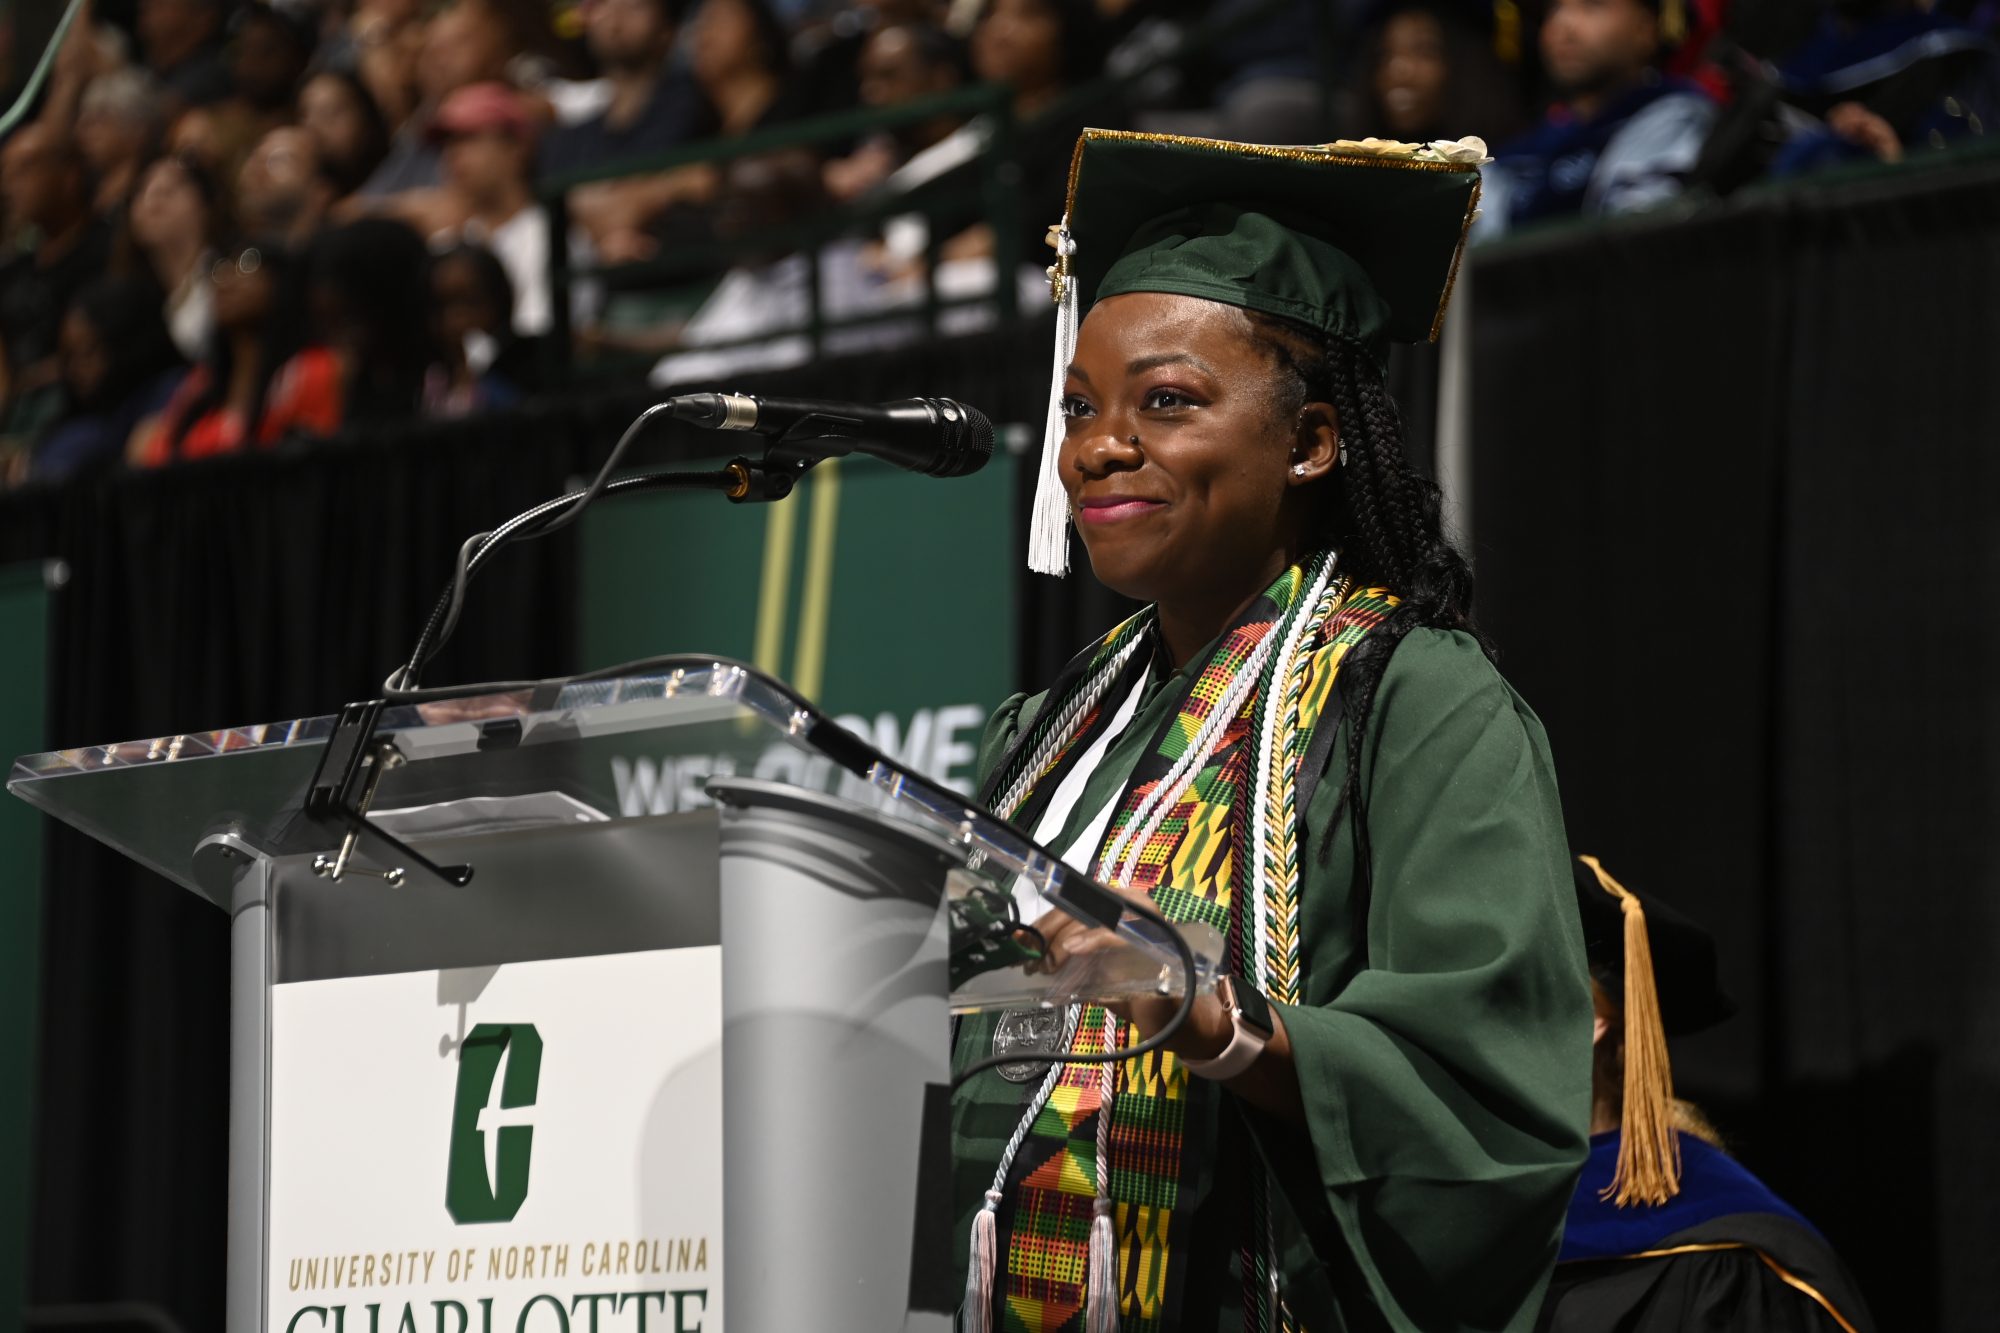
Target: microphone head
966 438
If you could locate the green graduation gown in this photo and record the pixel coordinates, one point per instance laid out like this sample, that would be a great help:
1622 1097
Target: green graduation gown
1443 1047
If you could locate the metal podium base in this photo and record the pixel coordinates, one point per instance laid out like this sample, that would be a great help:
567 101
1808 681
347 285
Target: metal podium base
834 1021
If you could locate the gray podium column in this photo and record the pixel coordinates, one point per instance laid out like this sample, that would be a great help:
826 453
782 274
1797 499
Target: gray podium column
232 870
835 1018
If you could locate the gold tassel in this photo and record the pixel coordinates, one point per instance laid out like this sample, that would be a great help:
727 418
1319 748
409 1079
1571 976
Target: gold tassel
1673 22
1649 1151
1507 32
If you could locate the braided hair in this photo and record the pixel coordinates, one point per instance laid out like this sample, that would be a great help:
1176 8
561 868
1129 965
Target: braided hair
1386 520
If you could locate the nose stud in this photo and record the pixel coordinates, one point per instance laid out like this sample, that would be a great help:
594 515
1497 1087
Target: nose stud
1134 441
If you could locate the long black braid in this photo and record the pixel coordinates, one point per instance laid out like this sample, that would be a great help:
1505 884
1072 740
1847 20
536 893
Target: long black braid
1386 520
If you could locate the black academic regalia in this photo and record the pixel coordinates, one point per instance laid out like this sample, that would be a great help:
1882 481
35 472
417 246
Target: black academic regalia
1725 1254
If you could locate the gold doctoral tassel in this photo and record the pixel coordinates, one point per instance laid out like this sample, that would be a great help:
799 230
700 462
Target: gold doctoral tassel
1507 32
1673 22
1649 1151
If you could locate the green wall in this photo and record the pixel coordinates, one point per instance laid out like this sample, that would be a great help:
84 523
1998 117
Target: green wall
883 596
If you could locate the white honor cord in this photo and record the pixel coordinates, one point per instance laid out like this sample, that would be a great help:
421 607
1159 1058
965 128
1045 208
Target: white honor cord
1028 899
1057 736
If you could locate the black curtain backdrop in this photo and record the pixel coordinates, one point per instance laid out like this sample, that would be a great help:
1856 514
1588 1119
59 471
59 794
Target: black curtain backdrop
1733 513
1738 536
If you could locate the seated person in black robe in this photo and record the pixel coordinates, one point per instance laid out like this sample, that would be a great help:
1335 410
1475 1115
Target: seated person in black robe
1666 1231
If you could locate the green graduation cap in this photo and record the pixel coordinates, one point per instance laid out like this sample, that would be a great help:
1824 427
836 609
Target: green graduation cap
1358 239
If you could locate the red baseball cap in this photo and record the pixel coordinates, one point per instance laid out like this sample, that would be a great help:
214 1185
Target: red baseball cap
483 108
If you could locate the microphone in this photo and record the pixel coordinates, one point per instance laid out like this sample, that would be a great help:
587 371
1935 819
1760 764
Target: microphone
935 436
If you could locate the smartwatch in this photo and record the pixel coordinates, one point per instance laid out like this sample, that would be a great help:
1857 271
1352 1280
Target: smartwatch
1250 1016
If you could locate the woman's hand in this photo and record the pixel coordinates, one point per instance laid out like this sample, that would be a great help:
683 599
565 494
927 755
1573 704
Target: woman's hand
1269 1083
1201 1037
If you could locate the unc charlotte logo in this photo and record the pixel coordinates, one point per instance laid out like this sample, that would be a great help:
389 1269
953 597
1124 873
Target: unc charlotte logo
487 1179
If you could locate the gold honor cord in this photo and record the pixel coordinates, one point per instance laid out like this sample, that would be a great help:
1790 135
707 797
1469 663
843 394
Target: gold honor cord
1785 1275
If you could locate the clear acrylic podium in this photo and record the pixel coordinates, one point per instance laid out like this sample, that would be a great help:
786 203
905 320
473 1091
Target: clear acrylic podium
682 810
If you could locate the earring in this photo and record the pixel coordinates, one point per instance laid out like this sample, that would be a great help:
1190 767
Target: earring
1343 454
1298 469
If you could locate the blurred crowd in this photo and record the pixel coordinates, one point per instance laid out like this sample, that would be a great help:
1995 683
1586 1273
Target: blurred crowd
230 225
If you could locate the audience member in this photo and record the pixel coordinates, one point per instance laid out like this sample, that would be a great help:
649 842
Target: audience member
267 57
827 48
388 39
1622 136
468 42
1261 82
282 193
118 126
118 366
259 380
349 31
196 135
1040 49
368 291
170 237
181 43
269 53
1430 73
481 364
347 128
653 106
898 65
742 61
1888 76
488 143
44 183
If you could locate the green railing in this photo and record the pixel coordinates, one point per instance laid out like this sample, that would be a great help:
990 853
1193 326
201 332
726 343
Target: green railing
978 190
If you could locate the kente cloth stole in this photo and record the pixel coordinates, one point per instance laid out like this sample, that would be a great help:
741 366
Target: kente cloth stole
1187 867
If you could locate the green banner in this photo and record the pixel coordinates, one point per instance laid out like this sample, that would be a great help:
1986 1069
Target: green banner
25 595
883 596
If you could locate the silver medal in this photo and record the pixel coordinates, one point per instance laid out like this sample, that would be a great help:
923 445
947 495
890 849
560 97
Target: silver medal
1027 1032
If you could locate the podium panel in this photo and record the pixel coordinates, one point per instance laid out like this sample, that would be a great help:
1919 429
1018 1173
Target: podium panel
476 1147
535 1122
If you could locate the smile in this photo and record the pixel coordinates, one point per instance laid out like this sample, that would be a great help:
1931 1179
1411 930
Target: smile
1115 510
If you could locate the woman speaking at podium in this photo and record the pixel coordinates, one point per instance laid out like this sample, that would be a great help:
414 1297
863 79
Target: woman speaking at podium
1376 1120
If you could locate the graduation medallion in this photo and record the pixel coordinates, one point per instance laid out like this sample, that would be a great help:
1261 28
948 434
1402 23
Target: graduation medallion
1027 1032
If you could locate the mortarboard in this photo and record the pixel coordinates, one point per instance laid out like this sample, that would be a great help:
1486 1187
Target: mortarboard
1665 965
1359 240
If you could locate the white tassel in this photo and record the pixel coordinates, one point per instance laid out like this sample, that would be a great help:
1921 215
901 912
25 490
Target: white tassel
978 1311
1048 533
1100 1298
1100 1282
